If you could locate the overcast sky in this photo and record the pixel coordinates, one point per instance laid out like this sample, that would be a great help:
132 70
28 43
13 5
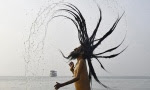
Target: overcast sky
17 16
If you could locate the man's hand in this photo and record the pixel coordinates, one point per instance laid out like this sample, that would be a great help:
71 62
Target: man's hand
58 85
71 64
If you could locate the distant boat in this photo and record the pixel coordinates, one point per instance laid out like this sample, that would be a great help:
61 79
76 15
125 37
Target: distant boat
53 73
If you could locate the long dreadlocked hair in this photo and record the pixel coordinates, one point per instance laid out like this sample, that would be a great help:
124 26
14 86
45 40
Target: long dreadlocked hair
89 44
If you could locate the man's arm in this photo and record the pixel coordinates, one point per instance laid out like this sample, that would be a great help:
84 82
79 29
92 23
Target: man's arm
77 77
58 85
71 64
72 70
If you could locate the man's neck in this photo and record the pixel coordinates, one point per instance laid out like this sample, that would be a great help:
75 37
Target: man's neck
79 57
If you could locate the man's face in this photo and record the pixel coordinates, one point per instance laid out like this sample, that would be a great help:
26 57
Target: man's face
75 53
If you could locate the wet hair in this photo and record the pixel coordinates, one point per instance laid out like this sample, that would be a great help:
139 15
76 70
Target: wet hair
89 43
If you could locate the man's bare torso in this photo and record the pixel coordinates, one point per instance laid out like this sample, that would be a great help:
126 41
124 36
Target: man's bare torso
83 83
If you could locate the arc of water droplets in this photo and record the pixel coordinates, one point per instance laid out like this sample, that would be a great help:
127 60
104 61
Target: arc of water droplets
34 45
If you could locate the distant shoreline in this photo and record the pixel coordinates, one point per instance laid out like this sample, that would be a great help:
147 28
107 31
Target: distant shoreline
102 77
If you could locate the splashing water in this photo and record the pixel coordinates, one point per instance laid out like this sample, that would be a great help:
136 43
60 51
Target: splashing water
34 45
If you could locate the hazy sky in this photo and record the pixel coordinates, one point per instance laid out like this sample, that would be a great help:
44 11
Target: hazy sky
17 16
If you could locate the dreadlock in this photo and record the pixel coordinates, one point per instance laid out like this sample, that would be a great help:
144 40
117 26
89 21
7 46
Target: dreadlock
89 44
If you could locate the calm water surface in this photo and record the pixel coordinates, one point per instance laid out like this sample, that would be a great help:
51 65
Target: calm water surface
47 83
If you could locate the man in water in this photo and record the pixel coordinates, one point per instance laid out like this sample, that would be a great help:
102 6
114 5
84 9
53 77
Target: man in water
85 52
81 79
